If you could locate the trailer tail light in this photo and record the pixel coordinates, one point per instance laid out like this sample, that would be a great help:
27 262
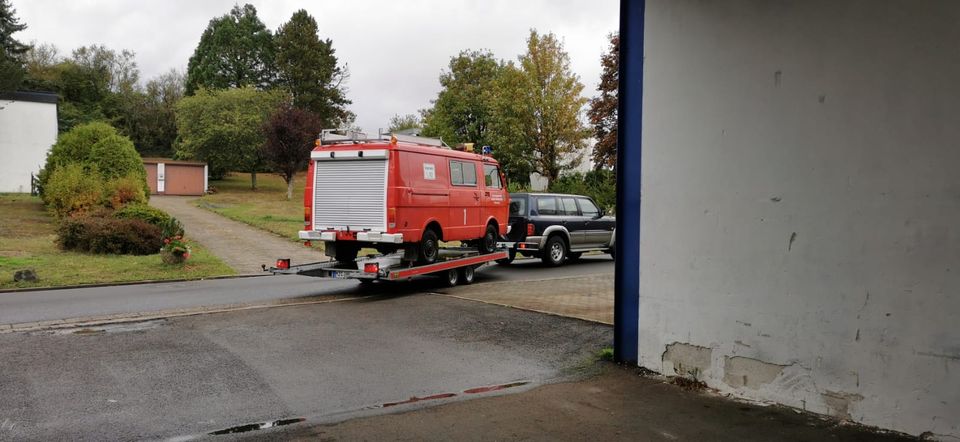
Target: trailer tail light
371 268
392 218
283 264
530 229
307 215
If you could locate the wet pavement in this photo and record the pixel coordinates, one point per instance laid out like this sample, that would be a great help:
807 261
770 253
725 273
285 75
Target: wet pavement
188 377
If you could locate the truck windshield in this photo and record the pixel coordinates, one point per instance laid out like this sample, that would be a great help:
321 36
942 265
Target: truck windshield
518 206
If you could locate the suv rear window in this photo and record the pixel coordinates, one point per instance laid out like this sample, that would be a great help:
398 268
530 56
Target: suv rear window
518 207
547 205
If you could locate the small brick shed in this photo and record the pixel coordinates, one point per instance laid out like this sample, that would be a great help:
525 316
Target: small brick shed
175 177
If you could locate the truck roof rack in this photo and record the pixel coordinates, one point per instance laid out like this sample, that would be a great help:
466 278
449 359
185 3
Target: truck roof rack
340 136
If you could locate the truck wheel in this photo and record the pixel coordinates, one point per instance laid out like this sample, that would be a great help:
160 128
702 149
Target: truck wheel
488 243
429 247
466 274
511 255
555 251
451 277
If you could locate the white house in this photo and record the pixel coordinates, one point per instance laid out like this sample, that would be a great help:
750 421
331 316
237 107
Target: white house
28 127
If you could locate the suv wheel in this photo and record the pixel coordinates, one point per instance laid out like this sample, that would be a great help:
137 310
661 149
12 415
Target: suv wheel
488 243
429 248
555 251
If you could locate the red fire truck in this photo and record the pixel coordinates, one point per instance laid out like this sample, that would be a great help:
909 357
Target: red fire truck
401 193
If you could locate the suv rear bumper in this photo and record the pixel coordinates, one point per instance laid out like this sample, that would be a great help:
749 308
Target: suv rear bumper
531 243
313 235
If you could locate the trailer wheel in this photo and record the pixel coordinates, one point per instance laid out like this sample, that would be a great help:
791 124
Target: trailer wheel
451 277
467 273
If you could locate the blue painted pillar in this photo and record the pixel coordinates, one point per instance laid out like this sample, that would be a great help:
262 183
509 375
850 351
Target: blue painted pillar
630 108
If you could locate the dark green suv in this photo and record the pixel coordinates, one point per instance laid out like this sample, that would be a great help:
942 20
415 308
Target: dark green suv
555 227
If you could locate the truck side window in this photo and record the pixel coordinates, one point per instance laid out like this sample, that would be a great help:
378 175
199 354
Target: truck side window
570 207
547 205
463 173
491 176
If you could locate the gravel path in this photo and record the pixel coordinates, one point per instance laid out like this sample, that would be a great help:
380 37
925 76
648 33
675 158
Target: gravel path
241 246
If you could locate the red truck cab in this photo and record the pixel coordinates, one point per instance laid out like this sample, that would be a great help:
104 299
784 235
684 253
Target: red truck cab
392 194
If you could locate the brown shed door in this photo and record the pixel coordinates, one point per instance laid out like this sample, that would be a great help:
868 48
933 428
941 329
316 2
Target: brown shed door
151 177
183 179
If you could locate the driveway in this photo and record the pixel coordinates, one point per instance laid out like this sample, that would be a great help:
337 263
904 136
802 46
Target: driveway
184 377
242 247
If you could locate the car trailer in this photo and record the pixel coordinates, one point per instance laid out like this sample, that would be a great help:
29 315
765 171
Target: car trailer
455 265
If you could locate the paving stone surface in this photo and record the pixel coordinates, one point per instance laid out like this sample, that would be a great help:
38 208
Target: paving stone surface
242 247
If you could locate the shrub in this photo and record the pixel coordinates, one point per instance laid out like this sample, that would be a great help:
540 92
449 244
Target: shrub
143 212
125 190
171 228
74 146
73 189
601 185
109 236
97 144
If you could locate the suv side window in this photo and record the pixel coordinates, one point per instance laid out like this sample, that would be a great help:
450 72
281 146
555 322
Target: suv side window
547 205
588 208
491 176
570 207
463 173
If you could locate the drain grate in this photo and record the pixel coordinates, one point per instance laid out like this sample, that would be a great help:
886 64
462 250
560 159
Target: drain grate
258 426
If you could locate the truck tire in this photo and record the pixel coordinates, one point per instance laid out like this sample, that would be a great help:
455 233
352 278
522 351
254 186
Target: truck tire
429 248
555 251
488 244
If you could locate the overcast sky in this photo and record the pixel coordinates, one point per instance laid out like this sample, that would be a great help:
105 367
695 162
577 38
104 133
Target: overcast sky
395 50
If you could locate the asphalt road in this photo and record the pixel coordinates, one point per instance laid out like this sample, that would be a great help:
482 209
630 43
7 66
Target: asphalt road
27 307
184 378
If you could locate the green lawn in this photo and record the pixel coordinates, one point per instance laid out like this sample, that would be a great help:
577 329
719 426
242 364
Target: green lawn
27 240
266 208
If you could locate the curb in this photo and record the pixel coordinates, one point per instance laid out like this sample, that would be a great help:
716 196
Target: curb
123 283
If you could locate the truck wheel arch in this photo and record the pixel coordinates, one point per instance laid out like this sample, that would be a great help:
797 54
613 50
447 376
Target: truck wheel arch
434 225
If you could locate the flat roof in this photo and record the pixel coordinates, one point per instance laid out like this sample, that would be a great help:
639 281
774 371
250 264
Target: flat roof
172 161
36 97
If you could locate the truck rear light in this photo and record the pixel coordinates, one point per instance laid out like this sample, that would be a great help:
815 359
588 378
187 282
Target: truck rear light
307 215
530 229
392 217
283 264
371 268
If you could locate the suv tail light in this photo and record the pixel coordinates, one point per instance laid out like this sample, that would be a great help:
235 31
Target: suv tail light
530 229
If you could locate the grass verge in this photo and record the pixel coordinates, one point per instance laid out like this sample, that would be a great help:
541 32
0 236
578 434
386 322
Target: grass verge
27 240
265 208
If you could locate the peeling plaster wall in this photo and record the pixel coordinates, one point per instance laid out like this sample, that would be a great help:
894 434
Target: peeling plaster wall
801 204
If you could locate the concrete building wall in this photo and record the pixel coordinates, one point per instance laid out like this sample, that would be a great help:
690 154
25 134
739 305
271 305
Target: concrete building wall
27 130
800 226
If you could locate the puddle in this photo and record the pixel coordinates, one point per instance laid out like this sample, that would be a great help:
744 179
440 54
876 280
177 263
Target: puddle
106 328
257 426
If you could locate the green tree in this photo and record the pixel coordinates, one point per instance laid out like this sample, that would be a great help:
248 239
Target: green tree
235 50
307 68
148 114
12 51
404 122
603 108
461 113
223 128
537 108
